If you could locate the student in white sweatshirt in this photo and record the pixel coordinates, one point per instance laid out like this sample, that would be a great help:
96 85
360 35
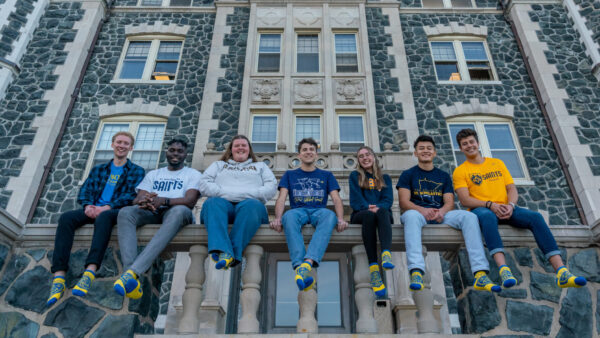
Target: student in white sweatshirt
237 187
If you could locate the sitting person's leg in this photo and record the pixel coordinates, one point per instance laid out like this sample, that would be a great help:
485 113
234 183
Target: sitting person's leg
368 220
534 221
468 224
103 226
293 220
249 215
216 215
384 228
413 223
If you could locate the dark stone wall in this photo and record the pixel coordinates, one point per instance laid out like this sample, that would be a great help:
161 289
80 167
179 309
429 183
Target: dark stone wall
230 87
24 97
11 32
590 10
383 83
61 187
574 73
478 3
550 191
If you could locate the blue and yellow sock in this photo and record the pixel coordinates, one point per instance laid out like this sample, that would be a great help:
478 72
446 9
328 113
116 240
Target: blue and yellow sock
129 285
508 280
376 282
58 288
386 260
416 280
484 283
214 256
84 284
304 280
566 279
224 262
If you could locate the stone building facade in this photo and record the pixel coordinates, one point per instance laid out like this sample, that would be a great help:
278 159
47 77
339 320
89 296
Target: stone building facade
347 72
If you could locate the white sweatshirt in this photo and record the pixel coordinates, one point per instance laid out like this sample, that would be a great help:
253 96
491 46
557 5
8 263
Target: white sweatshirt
237 181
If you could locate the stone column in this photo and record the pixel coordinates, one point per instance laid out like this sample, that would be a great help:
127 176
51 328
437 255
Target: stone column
211 314
363 293
250 297
193 290
426 322
307 303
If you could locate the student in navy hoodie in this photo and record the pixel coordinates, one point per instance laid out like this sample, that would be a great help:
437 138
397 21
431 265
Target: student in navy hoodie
371 197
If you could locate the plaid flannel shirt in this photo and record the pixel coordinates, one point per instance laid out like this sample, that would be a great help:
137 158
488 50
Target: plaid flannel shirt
124 191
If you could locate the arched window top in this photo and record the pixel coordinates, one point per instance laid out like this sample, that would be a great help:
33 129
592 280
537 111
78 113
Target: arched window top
135 110
454 28
158 27
476 109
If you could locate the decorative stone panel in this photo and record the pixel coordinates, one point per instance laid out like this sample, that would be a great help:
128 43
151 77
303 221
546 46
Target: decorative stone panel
158 27
308 91
476 107
454 28
344 17
308 17
270 17
265 91
350 91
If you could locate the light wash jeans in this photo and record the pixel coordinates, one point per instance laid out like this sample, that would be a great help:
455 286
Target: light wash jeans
458 219
324 220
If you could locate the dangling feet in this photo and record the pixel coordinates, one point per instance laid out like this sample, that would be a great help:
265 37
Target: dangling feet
214 256
303 278
224 262
566 279
129 285
483 283
376 282
508 280
416 280
84 284
386 260
58 288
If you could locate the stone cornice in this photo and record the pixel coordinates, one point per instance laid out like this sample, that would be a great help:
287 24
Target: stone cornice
10 227
474 107
157 28
136 107
454 28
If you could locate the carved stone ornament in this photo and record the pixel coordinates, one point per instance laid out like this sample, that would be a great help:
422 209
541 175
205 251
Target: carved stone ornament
307 17
308 91
344 17
271 17
350 91
266 91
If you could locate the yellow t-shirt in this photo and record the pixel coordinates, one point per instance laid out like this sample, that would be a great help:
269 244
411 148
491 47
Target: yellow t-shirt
486 181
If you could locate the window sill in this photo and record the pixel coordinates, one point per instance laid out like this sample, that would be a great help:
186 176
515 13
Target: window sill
523 182
470 82
132 81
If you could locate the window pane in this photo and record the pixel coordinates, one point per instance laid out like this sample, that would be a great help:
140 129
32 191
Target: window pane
286 296
308 126
480 71
345 43
308 43
443 51
474 51
145 159
447 71
165 71
269 43
308 53
263 147
511 160
462 3
151 2
169 50
180 2
454 129
460 157
499 136
433 3
135 60
264 129
351 129
328 298
268 62
149 137
346 63
346 59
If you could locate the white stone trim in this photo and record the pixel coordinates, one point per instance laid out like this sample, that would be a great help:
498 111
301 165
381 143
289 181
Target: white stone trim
586 185
48 125
214 71
475 107
157 28
454 28
136 107
6 77
5 10
592 49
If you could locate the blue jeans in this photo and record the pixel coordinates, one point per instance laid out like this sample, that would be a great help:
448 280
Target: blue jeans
521 218
458 219
247 216
324 220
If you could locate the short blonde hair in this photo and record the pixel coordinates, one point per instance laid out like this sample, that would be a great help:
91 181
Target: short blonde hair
124 133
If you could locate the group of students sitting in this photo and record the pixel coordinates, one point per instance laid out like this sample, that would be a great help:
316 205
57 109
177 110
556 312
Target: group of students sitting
238 186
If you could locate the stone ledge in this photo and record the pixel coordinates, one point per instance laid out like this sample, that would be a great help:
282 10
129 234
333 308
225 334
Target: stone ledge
313 335
10 227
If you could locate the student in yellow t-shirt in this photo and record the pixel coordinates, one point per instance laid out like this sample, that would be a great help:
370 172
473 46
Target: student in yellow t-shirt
486 187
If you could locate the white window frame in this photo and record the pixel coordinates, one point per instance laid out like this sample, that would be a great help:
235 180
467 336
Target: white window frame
348 114
479 121
312 114
358 57
307 32
134 122
165 3
281 53
155 41
461 61
276 116
448 4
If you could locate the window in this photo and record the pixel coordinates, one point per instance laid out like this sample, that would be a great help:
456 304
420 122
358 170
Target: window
346 53
458 60
148 133
269 51
351 132
150 60
496 139
447 3
308 126
162 3
264 133
307 59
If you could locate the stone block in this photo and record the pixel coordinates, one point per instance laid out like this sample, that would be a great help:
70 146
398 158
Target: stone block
109 266
102 293
543 287
543 262
30 290
73 318
536 319
14 267
523 256
513 293
576 314
15 325
37 254
117 326
3 254
585 263
482 311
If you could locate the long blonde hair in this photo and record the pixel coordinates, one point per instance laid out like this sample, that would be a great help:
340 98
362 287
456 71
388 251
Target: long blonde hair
377 174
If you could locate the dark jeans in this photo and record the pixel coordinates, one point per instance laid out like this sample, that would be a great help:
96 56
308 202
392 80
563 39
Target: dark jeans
521 218
372 223
68 223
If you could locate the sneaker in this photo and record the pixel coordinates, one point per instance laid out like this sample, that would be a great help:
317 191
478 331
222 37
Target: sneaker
129 285
566 279
376 282
214 256
386 260
224 262
84 284
484 283
508 280
416 281
303 278
58 288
